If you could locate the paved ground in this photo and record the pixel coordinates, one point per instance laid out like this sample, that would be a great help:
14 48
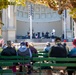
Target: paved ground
41 45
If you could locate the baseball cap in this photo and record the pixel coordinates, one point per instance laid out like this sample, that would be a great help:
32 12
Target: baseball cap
22 43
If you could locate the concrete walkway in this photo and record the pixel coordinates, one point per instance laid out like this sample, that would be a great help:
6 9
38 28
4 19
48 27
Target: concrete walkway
41 45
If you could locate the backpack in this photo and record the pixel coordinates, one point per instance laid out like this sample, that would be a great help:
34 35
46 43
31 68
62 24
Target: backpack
25 53
58 51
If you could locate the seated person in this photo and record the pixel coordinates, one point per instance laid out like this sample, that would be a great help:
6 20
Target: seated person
32 48
24 50
9 51
58 50
48 47
72 54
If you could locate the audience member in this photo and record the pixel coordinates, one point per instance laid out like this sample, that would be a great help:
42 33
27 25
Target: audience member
48 47
46 50
58 50
32 48
9 51
29 66
34 51
13 45
24 51
72 54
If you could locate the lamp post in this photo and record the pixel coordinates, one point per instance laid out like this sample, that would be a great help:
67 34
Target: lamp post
30 15
65 34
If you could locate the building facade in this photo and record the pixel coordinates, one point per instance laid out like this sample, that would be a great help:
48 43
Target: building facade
16 21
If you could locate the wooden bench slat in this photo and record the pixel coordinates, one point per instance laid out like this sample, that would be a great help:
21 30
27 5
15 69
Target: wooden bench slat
53 59
11 61
57 64
40 54
15 61
14 57
6 63
6 71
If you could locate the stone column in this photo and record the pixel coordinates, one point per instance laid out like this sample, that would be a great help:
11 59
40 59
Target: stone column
68 27
9 28
5 21
75 30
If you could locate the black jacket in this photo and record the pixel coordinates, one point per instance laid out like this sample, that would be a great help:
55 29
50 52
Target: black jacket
9 51
58 51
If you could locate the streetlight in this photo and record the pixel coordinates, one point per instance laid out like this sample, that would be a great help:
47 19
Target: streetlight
30 15
65 34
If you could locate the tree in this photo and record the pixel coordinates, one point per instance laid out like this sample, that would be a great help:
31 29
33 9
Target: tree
57 5
5 3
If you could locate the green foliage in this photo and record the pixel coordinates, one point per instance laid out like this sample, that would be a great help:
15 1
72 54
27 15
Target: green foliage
73 12
4 3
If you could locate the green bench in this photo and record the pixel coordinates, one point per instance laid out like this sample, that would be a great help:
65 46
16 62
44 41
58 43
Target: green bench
40 54
6 61
40 61
52 61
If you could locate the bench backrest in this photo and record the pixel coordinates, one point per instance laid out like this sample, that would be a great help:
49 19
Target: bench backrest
53 61
13 61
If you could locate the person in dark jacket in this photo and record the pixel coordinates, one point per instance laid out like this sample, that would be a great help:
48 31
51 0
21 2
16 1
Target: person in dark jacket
72 54
9 51
24 50
58 50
